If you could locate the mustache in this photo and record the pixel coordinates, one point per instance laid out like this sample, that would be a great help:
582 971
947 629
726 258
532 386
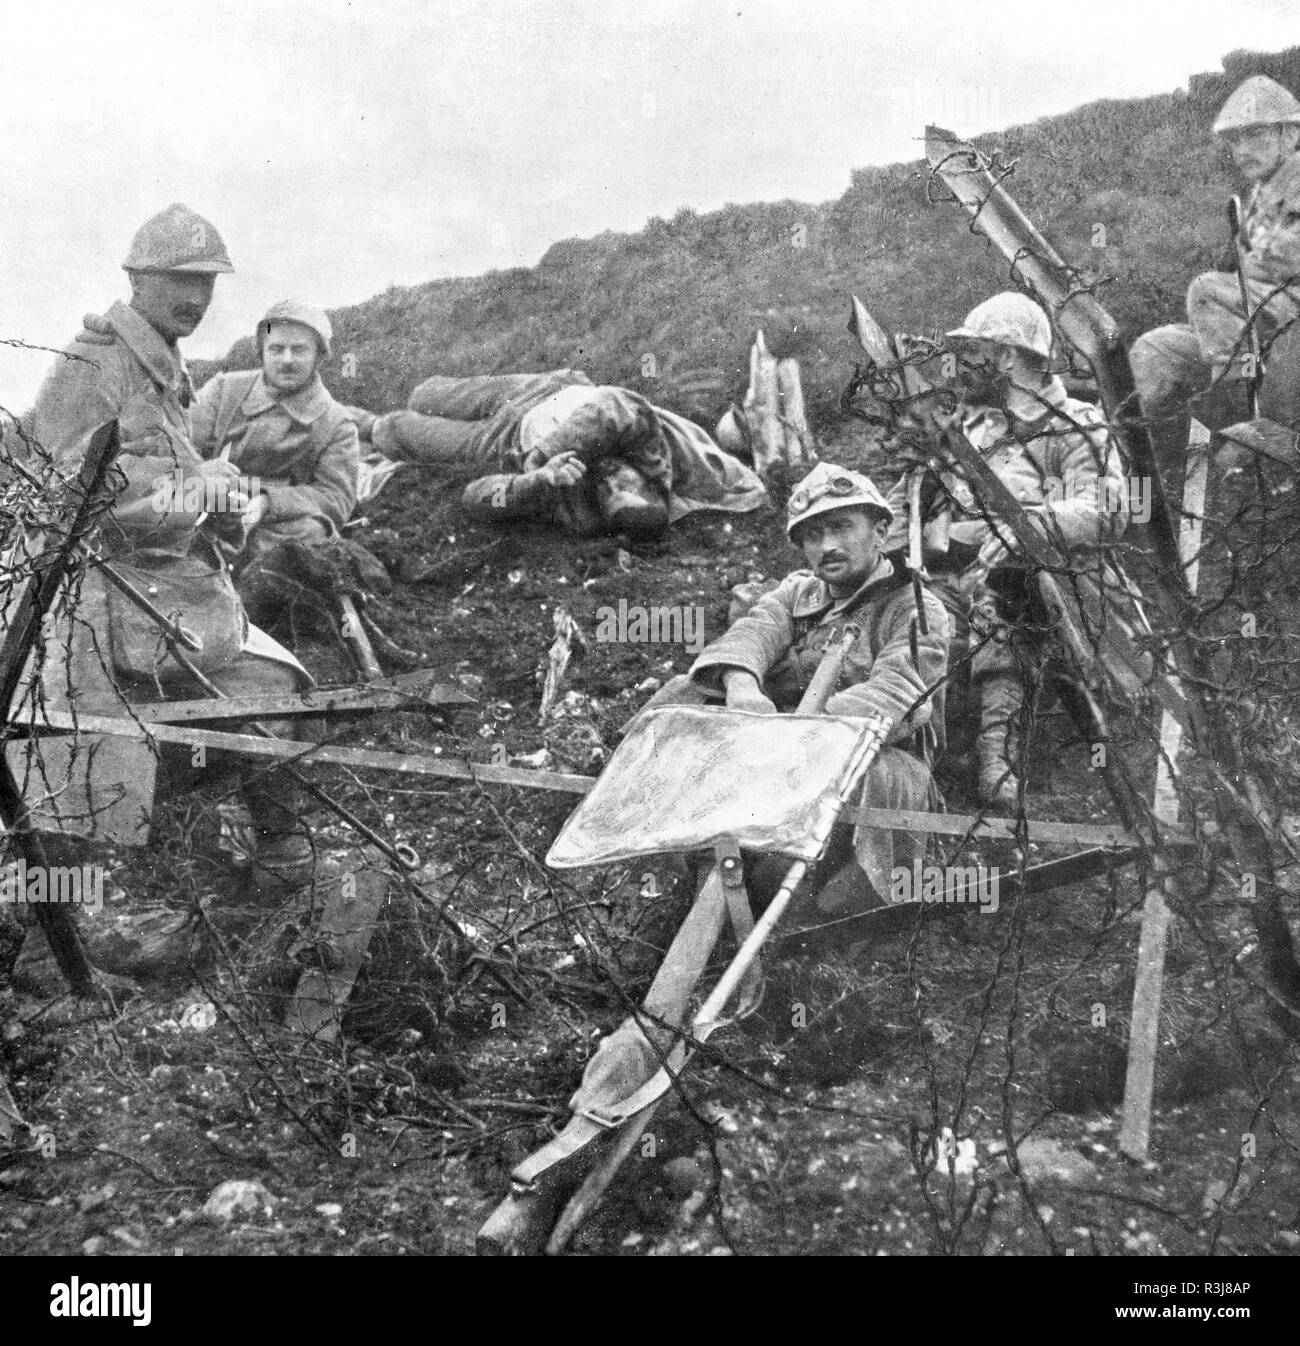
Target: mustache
830 556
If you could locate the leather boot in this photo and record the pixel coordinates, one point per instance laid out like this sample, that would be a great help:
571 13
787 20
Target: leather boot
997 748
628 502
122 940
285 860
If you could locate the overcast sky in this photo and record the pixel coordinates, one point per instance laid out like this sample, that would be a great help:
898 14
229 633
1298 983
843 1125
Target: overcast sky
342 147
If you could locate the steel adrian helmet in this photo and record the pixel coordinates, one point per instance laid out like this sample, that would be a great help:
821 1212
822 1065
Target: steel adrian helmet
176 239
1258 101
305 315
1010 319
731 432
828 487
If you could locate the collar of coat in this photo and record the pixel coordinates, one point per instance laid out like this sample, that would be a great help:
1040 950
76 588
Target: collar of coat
306 405
817 598
1025 410
161 358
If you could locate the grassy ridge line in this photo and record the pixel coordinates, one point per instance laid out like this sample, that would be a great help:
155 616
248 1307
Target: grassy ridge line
689 292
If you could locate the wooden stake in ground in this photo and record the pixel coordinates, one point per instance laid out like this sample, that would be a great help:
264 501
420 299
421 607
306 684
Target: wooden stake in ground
763 408
568 636
800 448
1144 1026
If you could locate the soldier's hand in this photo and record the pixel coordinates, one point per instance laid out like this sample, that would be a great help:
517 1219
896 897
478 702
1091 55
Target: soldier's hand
755 701
565 469
744 693
255 511
993 552
221 486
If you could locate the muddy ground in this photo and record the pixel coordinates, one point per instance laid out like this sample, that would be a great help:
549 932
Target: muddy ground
811 1128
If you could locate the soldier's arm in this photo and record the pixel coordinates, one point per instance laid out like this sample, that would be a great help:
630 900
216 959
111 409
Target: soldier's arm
1094 509
332 494
755 643
618 424
896 686
203 417
509 495
79 395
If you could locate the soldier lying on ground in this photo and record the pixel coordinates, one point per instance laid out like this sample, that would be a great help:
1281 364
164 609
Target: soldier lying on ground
1261 124
766 659
161 534
557 449
290 440
1061 463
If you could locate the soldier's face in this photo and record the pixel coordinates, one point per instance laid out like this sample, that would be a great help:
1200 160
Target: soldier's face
980 377
172 302
289 356
1259 150
843 546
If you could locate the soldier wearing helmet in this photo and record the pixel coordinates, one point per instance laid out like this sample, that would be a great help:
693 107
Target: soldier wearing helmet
283 431
1058 458
1260 125
170 509
766 659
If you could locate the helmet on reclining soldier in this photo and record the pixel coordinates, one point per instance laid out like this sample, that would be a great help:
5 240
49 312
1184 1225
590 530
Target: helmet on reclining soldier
732 434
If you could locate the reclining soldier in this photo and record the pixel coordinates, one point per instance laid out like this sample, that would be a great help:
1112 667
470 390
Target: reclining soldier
767 658
161 537
1261 124
555 448
291 441
1060 461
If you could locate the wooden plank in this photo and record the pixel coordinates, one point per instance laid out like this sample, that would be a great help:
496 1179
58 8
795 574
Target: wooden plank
1148 987
335 701
901 918
983 827
246 745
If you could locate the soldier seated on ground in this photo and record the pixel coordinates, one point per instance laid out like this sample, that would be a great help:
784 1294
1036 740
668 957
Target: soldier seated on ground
767 658
555 448
1058 458
1260 123
105 653
291 442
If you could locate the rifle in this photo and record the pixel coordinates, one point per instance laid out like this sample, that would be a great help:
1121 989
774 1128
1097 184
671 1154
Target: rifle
1252 331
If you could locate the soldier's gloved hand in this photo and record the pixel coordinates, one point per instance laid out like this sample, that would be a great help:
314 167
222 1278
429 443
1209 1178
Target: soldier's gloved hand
565 469
744 693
